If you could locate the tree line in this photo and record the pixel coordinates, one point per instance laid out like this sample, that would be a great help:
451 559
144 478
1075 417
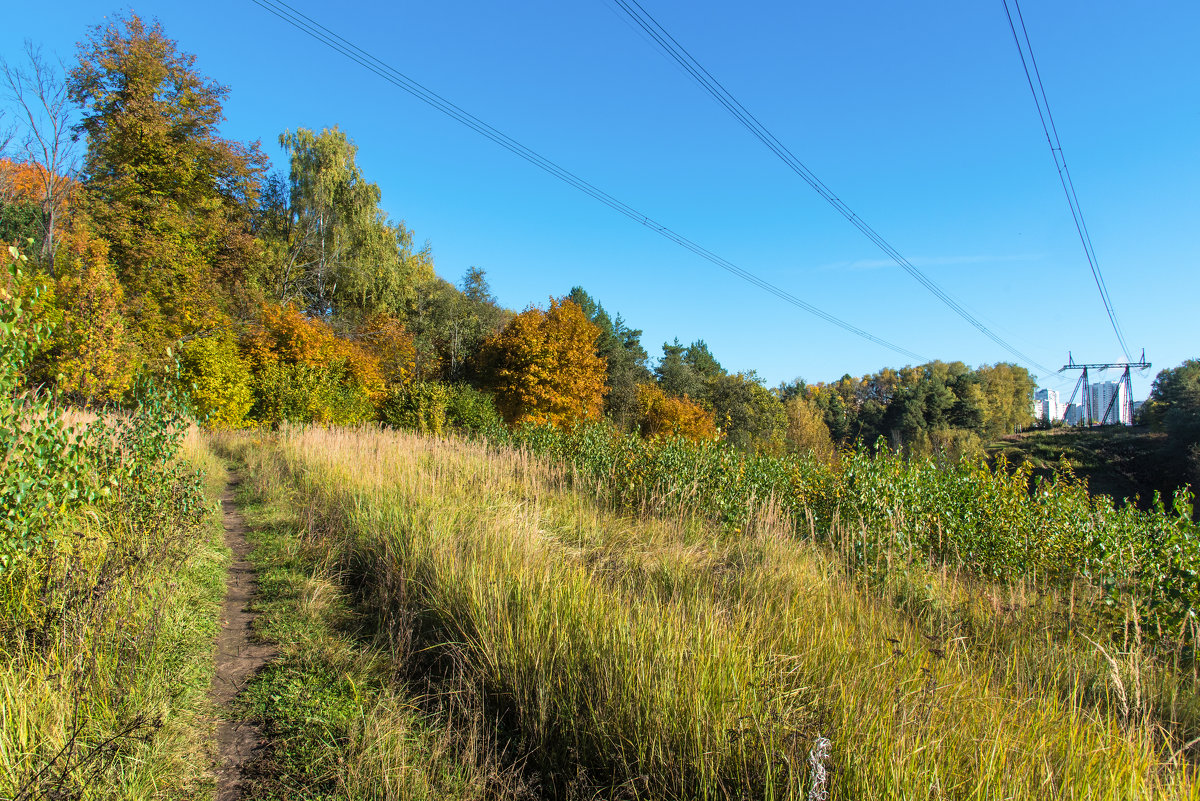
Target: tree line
1174 407
278 295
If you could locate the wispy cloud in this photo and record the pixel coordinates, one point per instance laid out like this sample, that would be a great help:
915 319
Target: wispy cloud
925 261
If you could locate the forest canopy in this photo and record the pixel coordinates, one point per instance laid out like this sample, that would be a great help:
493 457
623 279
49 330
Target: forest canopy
287 293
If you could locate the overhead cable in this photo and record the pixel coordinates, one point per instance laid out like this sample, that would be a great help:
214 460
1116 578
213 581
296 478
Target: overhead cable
705 79
1060 161
364 59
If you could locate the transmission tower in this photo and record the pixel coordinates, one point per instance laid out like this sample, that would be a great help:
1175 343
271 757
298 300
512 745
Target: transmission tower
1125 383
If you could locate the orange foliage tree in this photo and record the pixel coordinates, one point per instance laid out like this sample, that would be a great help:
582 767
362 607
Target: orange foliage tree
661 414
543 366
284 334
33 203
386 338
20 182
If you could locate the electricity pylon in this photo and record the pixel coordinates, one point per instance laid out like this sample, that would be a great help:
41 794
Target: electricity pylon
1083 383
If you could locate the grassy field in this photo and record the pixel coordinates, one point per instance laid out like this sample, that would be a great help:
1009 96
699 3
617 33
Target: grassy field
578 615
345 717
1122 462
609 650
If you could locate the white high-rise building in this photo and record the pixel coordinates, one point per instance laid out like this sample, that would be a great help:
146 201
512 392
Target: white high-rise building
1109 404
1074 414
1047 406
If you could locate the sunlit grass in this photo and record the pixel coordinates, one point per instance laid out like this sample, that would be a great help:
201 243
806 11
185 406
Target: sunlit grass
668 659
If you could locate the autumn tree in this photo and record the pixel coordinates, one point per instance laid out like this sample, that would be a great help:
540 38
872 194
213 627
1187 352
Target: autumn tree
385 336
660 414
21 217
342 251
805 429
305 372
625 358
218 379
1007 391
91 355
169 195
543 366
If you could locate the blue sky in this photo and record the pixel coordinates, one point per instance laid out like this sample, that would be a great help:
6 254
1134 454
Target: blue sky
917 115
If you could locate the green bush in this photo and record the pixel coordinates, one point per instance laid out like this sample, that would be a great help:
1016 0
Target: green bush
431 407
297 393
994 522
44 470
109 589
219 381
419 406
473 412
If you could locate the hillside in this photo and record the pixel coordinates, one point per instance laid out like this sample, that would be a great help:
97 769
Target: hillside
1121 462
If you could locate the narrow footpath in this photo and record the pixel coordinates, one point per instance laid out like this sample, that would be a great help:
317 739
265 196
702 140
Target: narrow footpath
239 655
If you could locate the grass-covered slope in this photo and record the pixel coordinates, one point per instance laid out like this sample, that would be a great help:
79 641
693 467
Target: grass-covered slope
1124 463
666 657
343 715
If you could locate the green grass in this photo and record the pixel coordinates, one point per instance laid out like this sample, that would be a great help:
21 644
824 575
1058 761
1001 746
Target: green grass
880 510
340 721
1124 463
665 658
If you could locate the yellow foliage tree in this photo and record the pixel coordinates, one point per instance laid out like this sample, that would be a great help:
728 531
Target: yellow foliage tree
661 414
91 355
285 335
806 430
543 366
217 379
386 338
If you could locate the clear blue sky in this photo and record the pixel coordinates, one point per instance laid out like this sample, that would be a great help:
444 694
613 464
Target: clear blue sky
916 114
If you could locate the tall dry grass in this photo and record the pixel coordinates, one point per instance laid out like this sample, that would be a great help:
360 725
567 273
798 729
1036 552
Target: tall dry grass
668 659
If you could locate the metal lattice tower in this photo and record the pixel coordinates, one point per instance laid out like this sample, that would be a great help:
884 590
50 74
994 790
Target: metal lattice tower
1084 384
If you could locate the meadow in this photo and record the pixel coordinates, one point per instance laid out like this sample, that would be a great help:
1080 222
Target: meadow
620 618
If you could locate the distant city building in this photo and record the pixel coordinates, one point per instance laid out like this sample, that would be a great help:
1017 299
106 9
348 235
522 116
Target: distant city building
1047 407
1074 415
1109 404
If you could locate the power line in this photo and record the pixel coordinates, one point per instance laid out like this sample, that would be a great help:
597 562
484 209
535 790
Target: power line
1060 161
705 79
364 59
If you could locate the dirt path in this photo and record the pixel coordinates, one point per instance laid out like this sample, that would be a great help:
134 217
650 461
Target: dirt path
239 655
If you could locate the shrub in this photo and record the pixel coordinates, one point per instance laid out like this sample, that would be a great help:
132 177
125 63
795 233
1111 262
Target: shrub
43 471
218 381
473 412
419 406
992 522
326 378
298 393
